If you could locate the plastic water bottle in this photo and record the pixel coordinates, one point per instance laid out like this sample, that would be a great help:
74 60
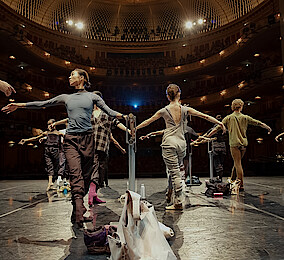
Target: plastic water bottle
143 192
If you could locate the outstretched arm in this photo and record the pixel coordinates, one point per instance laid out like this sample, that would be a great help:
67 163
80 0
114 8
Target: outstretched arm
265 126
102 105
278 136
35 138
121 126
60 122
192 111
6 88
152 134
213 131
35 104
117 145
150 120
255 122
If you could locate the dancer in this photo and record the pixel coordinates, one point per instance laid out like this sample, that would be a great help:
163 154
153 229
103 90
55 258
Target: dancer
173 142
278 136
6 88
102 124
219 153
52 148
237 124
79 138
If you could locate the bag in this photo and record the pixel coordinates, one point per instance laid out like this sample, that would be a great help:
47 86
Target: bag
216 187
139 236
96 240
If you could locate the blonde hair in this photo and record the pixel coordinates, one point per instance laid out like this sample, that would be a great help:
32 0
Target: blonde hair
236 104
172 91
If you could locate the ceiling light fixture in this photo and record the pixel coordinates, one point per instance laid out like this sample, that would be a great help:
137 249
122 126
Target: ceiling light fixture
188 25
79 25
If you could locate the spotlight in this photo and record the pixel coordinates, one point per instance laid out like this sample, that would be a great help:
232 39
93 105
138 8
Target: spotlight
135 105
12 57
200 21
79 25
188 25
70 22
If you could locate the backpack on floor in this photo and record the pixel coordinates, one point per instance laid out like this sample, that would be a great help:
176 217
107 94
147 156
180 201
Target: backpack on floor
216 187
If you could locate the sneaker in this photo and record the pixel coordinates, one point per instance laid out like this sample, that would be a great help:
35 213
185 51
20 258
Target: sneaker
175 207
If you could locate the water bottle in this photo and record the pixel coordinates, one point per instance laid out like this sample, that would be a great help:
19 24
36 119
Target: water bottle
143 192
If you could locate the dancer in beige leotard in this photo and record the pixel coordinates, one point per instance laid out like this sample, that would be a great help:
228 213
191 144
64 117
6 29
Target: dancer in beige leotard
173 143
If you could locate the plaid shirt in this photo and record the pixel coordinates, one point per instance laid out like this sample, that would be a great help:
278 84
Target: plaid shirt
102 129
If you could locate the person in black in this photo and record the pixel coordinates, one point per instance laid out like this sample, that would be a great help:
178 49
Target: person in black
190 135
219 152
52 147
79 138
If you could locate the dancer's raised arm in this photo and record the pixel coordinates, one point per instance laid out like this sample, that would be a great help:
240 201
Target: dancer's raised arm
152 134
150 120
35 138
194 112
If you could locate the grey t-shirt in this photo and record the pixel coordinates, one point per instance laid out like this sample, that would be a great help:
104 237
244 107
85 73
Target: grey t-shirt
79 108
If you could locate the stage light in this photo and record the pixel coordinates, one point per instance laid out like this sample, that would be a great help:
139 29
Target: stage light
221 53
11 143
12 57
92 68
46 54
79 25
257 97
256 55
188 25
28 87
86 46
135 105
239 41
194 23
46 94
223 92
200 21
12 100
184 45
70 22
67 62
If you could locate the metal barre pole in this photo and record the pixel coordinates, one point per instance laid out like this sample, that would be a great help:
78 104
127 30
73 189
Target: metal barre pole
131 141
